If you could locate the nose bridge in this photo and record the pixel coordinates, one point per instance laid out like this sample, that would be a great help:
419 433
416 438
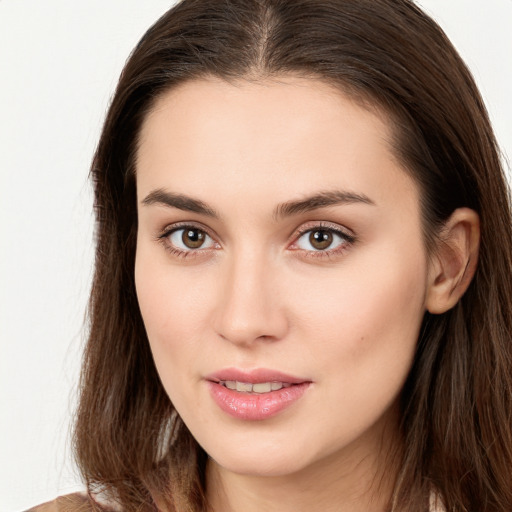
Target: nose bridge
249 307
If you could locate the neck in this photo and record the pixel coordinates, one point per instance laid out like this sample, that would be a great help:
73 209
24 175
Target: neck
361 479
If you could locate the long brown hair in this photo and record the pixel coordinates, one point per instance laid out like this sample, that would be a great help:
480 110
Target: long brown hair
457 401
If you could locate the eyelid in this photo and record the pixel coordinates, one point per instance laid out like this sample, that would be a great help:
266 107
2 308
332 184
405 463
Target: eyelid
175 226
329 226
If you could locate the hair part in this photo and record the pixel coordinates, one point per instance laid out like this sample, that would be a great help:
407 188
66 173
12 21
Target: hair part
457 402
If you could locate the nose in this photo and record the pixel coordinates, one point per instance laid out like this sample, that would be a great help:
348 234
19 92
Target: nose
250 308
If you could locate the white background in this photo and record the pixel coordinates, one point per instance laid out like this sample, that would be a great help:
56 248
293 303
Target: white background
59 63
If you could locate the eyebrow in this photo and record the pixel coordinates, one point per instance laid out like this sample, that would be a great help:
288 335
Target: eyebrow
287 209
320 200
180 201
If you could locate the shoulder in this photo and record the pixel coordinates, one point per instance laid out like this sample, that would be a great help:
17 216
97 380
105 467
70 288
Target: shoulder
76 502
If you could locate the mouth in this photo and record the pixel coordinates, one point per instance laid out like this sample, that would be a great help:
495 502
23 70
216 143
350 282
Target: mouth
259 381
257 394
256 388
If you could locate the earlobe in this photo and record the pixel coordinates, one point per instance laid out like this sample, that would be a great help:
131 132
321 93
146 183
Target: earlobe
454 261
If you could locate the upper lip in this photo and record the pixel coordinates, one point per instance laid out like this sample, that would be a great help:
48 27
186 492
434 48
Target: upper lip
255 376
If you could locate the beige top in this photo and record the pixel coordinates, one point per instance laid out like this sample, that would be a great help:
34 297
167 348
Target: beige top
76 502
436 505
80 503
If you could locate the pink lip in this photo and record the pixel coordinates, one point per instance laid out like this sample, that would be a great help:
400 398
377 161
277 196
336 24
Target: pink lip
254 376
255 406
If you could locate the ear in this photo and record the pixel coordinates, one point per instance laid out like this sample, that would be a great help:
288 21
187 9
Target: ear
454 261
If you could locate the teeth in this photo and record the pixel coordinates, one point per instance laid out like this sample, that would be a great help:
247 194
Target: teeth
260 387
263 387
243 386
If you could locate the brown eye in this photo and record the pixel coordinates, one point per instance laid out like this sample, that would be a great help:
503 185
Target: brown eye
323 239
193 238
320 239
189 238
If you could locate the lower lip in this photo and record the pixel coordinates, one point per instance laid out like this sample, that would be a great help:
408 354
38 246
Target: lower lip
252 406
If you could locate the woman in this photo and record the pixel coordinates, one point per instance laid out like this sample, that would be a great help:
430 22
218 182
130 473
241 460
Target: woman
302 287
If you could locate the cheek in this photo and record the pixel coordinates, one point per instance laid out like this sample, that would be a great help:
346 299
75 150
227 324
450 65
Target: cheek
366 316
170 311
361 332
170 302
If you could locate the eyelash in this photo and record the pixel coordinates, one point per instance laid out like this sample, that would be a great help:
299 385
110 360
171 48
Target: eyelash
348 239
163 238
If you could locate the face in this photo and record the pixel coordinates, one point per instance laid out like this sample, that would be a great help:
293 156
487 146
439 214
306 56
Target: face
280 270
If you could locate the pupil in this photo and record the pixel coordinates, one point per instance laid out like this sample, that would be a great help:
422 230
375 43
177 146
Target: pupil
193 238
320 239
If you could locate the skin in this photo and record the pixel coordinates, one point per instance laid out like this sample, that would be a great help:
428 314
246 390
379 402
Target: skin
257 294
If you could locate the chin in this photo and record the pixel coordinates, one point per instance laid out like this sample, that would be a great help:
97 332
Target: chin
257 460
259 466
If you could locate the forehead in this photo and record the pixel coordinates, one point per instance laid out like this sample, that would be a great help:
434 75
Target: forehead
211 106
278 138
